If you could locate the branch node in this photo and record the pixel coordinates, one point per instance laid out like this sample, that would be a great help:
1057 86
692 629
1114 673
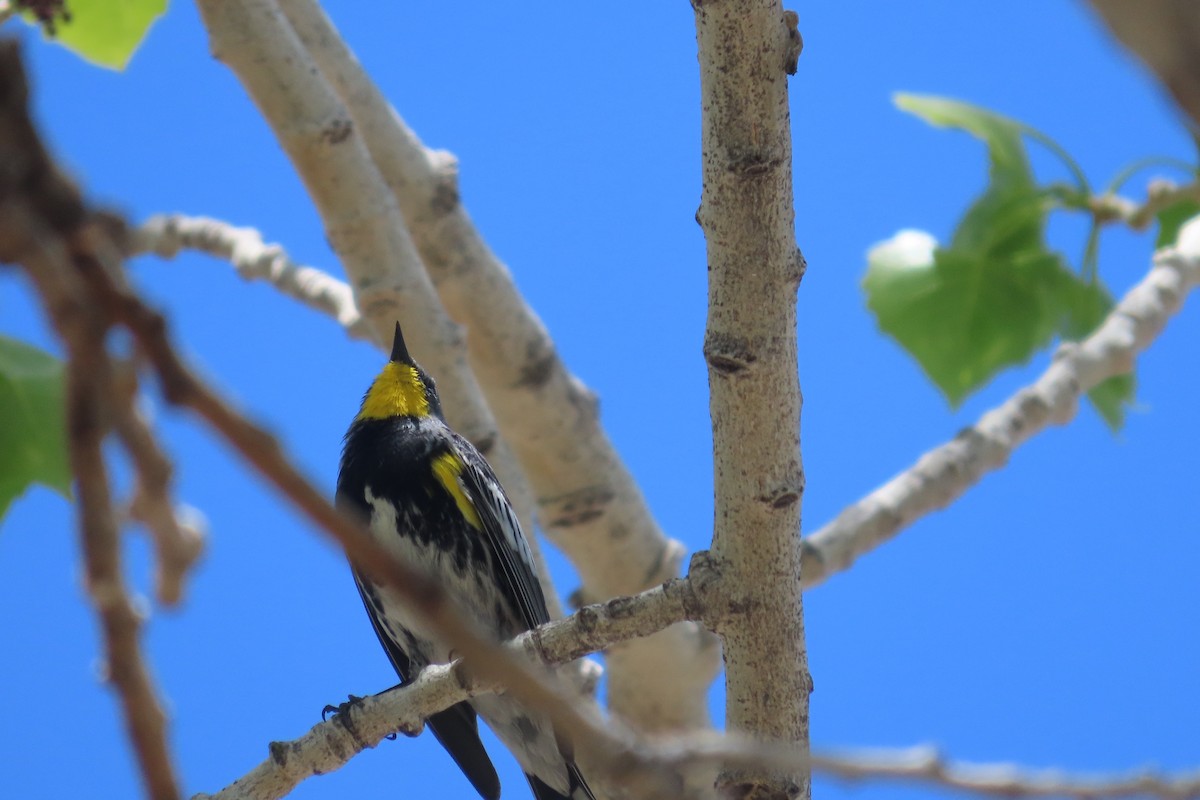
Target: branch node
728 354
795 42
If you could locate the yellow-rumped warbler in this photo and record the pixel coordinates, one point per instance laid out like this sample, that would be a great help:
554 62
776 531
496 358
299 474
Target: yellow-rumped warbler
430 497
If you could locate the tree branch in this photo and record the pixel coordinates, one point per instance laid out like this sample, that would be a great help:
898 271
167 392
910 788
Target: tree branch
362 221
166 235
330 744
1160 195
926 766
43 227
945 473
177 532
1164 34
754 270
587 501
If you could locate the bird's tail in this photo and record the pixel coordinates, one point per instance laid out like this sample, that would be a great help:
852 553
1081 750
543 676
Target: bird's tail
577 789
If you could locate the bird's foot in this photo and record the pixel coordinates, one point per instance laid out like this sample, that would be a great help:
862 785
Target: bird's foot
332 710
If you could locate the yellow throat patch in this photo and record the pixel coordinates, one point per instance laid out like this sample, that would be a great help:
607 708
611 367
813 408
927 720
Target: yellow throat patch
397 392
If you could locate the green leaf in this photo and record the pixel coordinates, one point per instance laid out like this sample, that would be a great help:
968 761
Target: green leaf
1087 306
1171 219
32 437
1001 134
1111 398
105 32
996 294
962 315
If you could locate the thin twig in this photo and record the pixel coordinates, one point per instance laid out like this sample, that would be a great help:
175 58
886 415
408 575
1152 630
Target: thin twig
177 531
1161 195
927 766
166 235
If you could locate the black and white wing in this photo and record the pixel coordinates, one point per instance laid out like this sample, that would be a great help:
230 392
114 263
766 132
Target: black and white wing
456 728
505 540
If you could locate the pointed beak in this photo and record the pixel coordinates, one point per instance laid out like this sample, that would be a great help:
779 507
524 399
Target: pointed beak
399 349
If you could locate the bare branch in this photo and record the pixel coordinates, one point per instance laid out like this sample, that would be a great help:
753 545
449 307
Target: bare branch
43 228
362 221
177 531
330 744
754 270
925 765
575 722
166 235
945 473
1161 195
588 503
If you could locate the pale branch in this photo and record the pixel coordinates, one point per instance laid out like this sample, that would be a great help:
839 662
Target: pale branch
610 754
587 501
1160 195
945 473
746 51
330 744
928 767
73 259
44 227
362 221
165 235
177 531
936 480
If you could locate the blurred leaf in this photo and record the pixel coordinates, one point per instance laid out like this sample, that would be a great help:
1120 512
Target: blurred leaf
105 32
963 316
996 294
1001 134
1171 219
1111 398
32 438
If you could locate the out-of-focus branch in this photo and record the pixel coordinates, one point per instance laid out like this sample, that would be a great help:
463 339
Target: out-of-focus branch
943 474
43 228
1165 34
746 211
362 221
587 501
613 756
330 744
74 264
177 531
1161 195
926 766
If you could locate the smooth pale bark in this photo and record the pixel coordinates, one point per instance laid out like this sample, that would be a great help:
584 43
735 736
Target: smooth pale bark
362 221
587 501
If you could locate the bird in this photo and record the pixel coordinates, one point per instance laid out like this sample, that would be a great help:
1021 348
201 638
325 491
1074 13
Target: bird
430 498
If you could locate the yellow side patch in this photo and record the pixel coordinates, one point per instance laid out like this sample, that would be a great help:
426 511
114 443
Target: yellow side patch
447 468
397 392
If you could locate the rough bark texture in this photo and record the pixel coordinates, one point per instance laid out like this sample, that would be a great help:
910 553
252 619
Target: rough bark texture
362 221
746 50
587 501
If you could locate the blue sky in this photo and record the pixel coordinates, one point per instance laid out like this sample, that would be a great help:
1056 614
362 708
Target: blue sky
1047 619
